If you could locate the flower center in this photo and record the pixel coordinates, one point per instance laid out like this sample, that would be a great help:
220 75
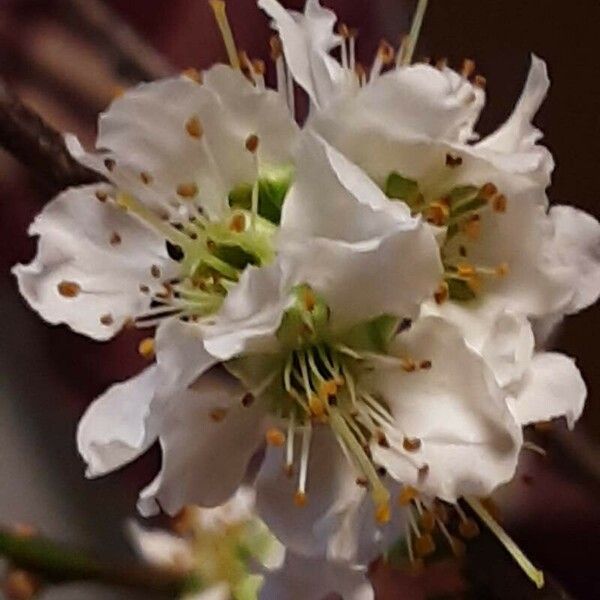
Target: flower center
460 210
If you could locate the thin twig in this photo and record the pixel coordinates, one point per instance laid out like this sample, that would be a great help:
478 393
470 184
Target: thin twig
37 145
133 57
57 564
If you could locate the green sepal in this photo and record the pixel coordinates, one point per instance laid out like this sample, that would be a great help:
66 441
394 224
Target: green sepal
458 289
398 187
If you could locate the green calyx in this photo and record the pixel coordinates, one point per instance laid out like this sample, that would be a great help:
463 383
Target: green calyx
273 185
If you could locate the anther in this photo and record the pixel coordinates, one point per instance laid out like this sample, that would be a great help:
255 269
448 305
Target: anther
237 223
309 299
276 47
343 30
252 143
468 529
362 482
101 195
487 191
411 444
383 513
300 499
465 269
442 293
425 365
407 495
115 239
441 63
146 178
258 66
453 161
194 128
155 271
404 325
386 52
109 163
382 439
472 227
68 289
480 81
218 414
144 288
275 437
424 545
499 203
247 399
502 269
146 348
408 365
422 472
107 320
193 74
20 585
317 408
187 190
437 213
468 68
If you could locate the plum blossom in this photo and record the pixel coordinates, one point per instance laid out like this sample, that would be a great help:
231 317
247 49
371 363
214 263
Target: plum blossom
233 556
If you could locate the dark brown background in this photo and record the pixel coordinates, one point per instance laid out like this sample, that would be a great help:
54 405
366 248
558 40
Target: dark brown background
49 375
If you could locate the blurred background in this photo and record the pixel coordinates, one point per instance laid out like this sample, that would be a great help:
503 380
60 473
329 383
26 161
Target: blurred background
68 58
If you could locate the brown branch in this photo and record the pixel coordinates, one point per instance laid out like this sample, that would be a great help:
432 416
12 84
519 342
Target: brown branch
38 146
133 57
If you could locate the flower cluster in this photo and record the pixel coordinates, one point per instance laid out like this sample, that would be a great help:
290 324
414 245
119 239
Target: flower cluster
356 305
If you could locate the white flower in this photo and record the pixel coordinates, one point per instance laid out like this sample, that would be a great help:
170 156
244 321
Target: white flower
503 250
235 557
188 166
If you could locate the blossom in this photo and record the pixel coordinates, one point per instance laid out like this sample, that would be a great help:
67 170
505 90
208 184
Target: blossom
194 191
503 248
233 555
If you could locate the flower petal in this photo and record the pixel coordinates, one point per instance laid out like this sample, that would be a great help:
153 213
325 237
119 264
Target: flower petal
92 259
468 438
357 244
207 444
553 387
121 424
303 578
576 242
307 39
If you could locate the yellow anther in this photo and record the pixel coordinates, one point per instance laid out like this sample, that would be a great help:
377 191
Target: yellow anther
237 223
107 320
437 213
275 437
407 495
187 190
68 289
386 52
487 191
424 545
427 521
472 227
499 203
465 269
441 294
468 529
194 128
218 7
300 499
425 365
252 143
326 389
146 347
343 30
411 444
193 74
183 522
453 160
258 66
146 178
408 364
474 283
383 513
276 47
309 300
480 81
502 270
316 405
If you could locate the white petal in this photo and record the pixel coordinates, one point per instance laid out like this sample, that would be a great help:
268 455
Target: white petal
411 102
303 578
576 243
468 437
553 387
518 137
250 314
180 355
159 547
356 245
121 424
238 508
204 461
338 520
307 40
75 232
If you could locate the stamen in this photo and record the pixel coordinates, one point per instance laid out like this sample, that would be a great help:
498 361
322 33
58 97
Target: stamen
289 450
69 289
194 127
499 203
218 7
385 56
407 495
275 437
442 293
218 414
411 444
193 74
532 572
413 36
146 348
468 68
300 498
